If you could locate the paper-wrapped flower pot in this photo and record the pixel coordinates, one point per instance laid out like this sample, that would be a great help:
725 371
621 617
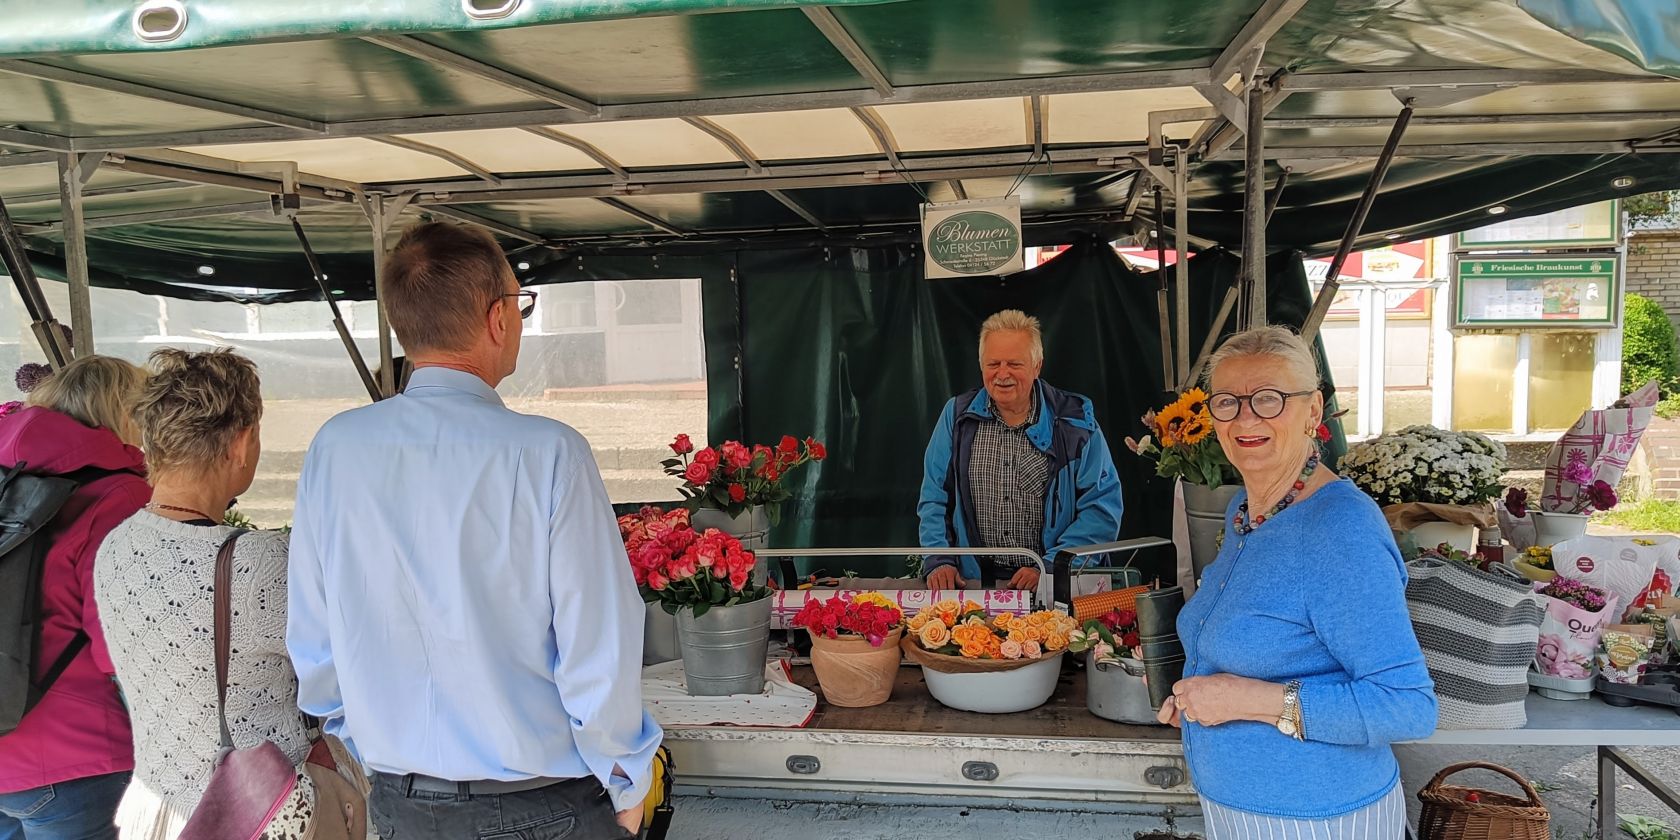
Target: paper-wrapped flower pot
852 672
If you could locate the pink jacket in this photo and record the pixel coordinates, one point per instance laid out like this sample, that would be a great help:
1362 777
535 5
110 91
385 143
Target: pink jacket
80 728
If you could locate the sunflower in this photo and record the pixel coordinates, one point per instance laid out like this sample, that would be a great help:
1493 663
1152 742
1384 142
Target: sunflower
1170 423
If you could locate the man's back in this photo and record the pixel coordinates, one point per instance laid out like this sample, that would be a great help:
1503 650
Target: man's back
460 597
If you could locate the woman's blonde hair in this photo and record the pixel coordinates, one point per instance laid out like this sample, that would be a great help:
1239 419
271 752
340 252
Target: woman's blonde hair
1281 343
99 391
193 406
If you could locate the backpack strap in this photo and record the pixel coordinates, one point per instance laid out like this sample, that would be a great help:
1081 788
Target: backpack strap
62 663
224 636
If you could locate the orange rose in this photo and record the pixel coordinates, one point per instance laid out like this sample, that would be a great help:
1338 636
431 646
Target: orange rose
934 635
1054 641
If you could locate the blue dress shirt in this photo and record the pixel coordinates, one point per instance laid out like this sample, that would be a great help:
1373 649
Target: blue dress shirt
460 601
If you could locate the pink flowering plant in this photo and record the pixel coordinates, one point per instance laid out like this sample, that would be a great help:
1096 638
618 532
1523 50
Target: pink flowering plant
676 566
1577 593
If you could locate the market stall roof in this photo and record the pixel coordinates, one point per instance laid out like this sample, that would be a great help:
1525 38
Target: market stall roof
566 125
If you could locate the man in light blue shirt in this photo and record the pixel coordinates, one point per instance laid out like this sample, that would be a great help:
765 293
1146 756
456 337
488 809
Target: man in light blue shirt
461 608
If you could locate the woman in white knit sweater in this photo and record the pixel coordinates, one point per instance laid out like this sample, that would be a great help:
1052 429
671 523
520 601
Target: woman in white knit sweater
153 581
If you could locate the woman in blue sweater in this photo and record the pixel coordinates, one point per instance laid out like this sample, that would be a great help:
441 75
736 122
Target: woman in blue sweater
1301 668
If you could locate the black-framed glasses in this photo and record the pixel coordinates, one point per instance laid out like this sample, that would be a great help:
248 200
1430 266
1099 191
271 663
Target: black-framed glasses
1266 403
528 302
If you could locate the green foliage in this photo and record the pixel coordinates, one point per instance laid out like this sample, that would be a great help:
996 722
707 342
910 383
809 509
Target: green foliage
1652 516
1652 207
1649 350
1646 828
1669 407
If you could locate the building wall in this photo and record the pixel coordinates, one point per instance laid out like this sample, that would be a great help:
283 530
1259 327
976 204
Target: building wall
1653 268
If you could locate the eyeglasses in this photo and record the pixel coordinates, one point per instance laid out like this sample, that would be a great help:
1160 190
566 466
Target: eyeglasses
1266 403
526 308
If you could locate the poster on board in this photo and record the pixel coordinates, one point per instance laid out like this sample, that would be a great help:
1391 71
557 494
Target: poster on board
975 238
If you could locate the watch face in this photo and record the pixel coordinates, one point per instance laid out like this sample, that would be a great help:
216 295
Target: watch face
1287 727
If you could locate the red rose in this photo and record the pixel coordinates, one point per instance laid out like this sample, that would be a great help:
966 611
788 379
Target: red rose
789 445
737 456
737 493
698 473
817 450
709 457
682 445
1323 433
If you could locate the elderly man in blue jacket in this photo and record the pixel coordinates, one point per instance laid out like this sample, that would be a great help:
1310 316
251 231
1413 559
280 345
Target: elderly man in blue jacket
1016 464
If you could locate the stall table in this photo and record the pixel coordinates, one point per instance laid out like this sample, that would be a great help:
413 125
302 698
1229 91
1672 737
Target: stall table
913 746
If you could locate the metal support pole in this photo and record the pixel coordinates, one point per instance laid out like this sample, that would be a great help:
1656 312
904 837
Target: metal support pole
1181 237
337 316
381 225
1165 316
1606 794
75 253
1277 192
1254 211
55 343
381 211
1214 329
1321 306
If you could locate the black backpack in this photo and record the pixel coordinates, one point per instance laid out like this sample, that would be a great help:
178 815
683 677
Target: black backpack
28 504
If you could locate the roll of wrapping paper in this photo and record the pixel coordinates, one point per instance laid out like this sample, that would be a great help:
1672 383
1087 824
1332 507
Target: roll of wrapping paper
1102 603
788 603
1163 652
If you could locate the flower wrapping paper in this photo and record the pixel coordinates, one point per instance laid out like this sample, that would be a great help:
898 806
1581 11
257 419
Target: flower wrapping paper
1569 637
788 603
1602 441
1620 566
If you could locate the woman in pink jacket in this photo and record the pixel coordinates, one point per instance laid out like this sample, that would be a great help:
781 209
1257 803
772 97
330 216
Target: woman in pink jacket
64 768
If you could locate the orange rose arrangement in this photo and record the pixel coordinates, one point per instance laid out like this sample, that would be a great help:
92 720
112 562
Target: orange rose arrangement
952 629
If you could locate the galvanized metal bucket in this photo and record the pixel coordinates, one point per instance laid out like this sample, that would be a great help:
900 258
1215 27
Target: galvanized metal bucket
1118 692
724 651
659 636
1204 513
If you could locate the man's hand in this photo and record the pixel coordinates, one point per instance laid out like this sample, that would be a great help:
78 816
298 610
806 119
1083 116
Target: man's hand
1025 578
944 577
630 820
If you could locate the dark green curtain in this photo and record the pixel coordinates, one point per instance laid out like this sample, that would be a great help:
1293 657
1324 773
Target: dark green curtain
853 347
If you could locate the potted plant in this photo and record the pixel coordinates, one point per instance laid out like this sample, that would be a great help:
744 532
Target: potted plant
659 628
736 488
1115 687
1576 614
854 646
1563 515
704 578
1437 484
998 665
1181 443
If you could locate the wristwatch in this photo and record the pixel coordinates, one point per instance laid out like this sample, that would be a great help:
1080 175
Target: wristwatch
1290 722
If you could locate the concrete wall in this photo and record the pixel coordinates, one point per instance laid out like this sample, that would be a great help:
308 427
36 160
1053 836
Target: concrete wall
1654 268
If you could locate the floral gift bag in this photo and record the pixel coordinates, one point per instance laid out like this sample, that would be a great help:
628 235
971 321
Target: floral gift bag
1571 628
1621 566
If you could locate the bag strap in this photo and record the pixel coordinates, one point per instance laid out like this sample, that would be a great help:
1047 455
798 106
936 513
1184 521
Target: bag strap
224 635
77 643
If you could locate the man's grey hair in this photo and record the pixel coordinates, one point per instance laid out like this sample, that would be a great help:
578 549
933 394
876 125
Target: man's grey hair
1279 343
1014 320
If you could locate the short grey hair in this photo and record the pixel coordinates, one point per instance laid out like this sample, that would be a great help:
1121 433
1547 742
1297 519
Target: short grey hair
1280 343
1014 320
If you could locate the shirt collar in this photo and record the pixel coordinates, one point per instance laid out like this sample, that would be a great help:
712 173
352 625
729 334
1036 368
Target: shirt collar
452 380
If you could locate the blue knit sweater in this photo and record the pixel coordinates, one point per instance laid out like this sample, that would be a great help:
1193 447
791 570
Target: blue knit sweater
1315 594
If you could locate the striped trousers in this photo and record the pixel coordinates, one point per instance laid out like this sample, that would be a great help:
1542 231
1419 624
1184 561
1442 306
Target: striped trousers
1384 819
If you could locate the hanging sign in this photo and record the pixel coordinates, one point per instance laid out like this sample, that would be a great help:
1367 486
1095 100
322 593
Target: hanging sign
973 238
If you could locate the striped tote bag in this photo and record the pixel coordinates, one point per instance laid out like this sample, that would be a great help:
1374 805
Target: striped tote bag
1478 631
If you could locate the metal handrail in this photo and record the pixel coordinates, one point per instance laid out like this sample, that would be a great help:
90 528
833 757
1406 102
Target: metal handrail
1044 577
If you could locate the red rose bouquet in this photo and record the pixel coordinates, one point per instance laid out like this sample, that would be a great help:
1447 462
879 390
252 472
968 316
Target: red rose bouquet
676 566
1111 637
736 478
868 615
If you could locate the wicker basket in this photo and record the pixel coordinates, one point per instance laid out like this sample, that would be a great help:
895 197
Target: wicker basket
1448 814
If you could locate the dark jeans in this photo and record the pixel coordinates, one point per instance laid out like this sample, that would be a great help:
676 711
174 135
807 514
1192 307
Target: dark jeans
82 809
573 810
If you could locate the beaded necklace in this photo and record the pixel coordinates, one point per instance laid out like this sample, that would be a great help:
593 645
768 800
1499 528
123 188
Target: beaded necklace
1240 520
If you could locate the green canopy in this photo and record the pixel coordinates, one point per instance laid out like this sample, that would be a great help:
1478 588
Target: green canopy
576 127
